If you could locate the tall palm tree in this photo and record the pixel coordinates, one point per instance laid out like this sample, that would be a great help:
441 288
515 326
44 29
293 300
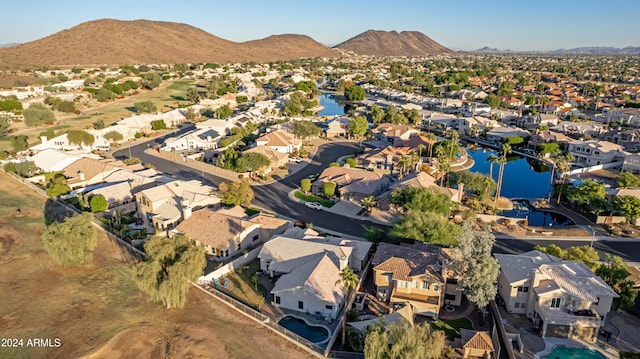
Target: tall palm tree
563 163
492 159
504 151
432 141
454 140
349 281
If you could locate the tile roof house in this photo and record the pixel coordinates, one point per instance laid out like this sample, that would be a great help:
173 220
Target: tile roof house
87 171
222 236
596 152
337 127
548 136
382 159
564 299
164 205
306 273
276 159
414 275
352 184
420 180
280 141
52 160
391 132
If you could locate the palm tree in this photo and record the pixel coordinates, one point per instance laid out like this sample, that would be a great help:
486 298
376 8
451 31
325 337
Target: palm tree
432 141
454 140
563 163
504 151
492 159
349 282
369 202
420 148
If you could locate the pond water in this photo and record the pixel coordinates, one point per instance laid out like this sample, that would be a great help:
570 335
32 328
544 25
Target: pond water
562 352
312 333
523 178
331 106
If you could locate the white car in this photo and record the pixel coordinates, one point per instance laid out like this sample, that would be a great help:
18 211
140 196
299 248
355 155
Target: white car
295 159
313 205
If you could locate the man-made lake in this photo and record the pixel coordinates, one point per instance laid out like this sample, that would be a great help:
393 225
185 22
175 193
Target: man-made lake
331 106
522 177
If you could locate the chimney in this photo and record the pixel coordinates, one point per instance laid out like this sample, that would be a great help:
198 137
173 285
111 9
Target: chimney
186 209
43 139
81 175
460 191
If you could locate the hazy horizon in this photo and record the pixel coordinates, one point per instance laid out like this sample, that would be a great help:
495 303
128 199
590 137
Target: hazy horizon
468 25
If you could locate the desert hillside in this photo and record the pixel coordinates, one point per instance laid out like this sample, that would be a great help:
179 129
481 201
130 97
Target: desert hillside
114 42
393 43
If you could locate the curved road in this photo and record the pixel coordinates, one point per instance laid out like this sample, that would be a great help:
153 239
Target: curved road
274 197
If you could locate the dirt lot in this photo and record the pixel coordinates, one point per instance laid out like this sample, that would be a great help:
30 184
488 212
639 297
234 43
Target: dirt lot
97 311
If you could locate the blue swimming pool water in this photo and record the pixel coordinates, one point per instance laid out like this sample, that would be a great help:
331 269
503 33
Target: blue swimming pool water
312 333
562 352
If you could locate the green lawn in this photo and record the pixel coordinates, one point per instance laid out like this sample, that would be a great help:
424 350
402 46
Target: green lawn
313 198
452 327
244 289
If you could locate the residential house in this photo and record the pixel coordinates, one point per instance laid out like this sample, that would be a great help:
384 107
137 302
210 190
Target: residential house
52 160
626 116
474 126
630 139
514 281
497 134
382 159
221 236
594 152
535 121
578 128
307 273
414 276
163 206
280 141
548 136
391 132
87 171
338 127
413 144
352 184
276 159
564 299
631 163
203 138
569 300
117 194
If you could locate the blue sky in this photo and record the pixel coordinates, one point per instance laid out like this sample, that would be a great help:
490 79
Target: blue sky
460 25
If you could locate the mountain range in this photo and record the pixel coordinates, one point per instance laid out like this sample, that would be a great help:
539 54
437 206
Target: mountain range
591 50
393 43
113 42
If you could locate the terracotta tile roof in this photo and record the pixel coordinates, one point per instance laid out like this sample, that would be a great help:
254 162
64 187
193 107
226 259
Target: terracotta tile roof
406 262
211 228
476 340
89 166
279 139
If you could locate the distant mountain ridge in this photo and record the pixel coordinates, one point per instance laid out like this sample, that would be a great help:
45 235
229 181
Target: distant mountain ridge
589 50
393 43
114 42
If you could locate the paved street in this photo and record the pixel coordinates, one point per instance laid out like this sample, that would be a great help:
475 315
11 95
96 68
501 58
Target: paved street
274 197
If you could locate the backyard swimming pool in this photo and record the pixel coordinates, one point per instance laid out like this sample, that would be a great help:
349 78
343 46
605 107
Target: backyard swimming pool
312 333
562 352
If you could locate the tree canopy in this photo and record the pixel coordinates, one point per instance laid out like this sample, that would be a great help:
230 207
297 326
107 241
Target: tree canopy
98 203
422 200
474 182
355 93
428 227
586 254
80 137
587 192
472 262
37 115
358 126
145 106
171 263
71 242
252 162
628 206
151 80
400 341
236 193
628 179
616 274
305 129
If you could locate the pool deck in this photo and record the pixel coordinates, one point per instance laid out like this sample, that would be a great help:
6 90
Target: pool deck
551 343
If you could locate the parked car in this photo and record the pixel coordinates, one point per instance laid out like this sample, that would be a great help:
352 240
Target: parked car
295 159
313 205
